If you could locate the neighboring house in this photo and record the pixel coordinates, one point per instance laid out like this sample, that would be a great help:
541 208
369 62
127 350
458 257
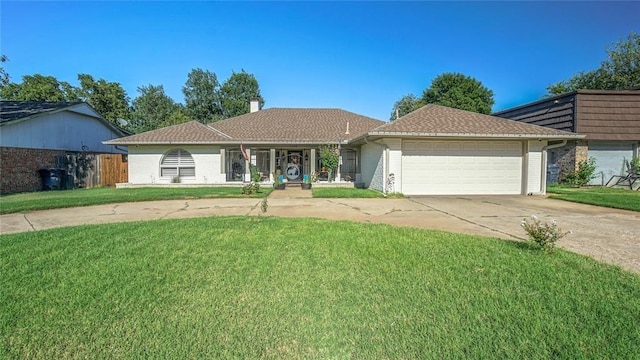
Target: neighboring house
433 150
609 119
34 135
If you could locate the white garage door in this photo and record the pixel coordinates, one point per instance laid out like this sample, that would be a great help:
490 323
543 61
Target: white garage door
461 167
610 158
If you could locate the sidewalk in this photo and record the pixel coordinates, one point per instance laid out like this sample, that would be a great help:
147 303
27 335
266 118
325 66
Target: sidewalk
292 191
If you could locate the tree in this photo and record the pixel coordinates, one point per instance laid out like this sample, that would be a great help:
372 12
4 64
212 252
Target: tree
152 108
108 98
236 93
178 116
4 76
621 70
459 91
39 88
405 105
201 95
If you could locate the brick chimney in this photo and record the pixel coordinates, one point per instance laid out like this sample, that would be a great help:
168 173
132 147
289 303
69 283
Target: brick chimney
254 105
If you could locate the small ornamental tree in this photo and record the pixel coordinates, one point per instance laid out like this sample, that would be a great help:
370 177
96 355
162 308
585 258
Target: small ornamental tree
330 157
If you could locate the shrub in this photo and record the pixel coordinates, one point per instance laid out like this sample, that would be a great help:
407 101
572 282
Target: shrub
330 158
250 188
584 174
544 235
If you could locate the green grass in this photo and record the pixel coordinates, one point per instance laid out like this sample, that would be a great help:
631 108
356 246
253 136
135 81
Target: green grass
601 196
300 288
339 192
83 197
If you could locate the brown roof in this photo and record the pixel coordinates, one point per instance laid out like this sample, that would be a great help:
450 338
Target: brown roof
288 125
191 132
436 120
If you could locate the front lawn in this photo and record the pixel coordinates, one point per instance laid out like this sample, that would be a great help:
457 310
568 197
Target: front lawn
341 192
276 288
601 196
43 200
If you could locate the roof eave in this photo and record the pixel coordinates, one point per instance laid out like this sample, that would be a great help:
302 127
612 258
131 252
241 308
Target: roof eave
225 142
472 135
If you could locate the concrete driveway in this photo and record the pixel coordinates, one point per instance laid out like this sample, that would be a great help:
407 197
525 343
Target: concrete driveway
609 235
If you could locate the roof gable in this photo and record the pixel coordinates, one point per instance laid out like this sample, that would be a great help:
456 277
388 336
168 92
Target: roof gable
191 132
437 120
15 110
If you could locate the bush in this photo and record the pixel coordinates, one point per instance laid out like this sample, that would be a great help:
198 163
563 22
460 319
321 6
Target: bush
584 174
544 235
250 188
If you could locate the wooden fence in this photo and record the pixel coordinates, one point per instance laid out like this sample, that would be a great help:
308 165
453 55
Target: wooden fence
114 168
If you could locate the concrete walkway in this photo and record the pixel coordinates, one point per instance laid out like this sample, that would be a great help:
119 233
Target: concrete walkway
608 235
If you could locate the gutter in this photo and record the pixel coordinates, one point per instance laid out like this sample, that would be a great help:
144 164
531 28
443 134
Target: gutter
543 186
479 136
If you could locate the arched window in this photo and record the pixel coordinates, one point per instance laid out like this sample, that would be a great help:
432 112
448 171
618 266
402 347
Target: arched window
177 162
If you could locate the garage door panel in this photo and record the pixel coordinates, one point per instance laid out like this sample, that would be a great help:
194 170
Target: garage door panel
462 167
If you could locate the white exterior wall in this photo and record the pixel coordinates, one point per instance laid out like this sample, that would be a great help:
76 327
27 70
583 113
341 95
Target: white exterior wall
64 130
535 169
372 166
144 164
395 163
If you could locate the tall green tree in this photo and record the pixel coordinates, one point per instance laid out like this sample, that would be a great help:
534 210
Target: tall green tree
459 91
39 88
108 98
151 108
236 93
4 75
405 105
202 96
621 70
178 116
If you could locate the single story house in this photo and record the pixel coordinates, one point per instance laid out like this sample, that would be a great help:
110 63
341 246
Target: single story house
36 134
433 150
610 121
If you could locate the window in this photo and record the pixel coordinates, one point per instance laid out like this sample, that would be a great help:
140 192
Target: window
262 161
177 162
235 165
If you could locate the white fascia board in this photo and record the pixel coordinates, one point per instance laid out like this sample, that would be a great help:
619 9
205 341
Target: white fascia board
470 135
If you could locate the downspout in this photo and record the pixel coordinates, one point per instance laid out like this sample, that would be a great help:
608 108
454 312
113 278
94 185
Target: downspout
385 165
543 189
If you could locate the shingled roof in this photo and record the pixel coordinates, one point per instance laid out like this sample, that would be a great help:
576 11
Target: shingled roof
191 132
435 120
290 125
14 110
270 126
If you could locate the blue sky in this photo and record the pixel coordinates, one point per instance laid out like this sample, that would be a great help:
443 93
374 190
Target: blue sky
358 56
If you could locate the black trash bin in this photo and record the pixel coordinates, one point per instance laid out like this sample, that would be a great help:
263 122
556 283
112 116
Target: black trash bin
52 179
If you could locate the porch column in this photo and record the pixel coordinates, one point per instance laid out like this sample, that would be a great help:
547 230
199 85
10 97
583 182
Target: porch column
247 171
272 163
339 166
312 159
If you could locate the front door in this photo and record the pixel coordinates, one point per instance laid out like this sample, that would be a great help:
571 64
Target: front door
293 170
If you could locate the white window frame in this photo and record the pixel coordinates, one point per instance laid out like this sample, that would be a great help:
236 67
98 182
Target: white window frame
179 160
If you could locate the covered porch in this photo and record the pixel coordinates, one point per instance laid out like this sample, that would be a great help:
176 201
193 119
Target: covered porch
292 163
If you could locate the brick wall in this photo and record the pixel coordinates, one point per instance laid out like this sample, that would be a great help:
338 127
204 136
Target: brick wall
565 157
19 168
582 152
